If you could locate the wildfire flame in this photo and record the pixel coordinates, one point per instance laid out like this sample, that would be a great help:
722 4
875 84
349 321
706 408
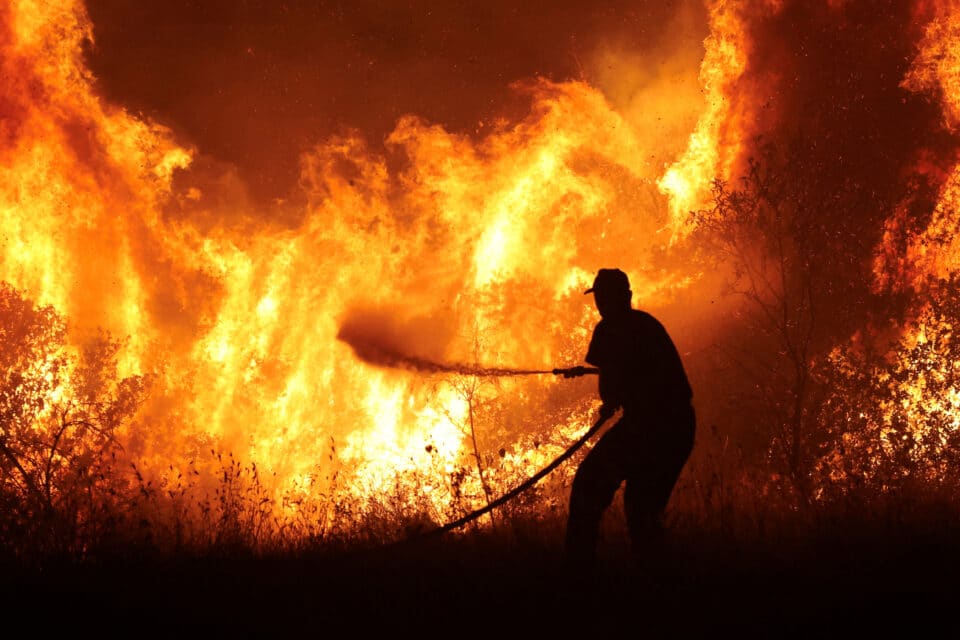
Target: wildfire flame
475 250
917 414
478 248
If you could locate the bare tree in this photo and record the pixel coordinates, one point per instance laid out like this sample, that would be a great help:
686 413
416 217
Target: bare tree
469 388
59 413
770 229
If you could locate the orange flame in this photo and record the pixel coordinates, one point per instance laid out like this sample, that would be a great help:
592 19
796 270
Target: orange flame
477 251
922 390
717 140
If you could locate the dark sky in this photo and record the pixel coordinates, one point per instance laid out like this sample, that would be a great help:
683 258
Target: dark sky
254 83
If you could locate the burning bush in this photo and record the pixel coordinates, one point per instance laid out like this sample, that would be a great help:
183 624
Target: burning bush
893 415
60 413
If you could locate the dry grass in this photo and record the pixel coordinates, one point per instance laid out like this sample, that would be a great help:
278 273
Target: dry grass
738 558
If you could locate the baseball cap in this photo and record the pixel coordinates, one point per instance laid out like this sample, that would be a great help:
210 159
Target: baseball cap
610 280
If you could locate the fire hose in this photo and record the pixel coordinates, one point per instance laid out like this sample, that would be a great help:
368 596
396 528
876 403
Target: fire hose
368 348
513 493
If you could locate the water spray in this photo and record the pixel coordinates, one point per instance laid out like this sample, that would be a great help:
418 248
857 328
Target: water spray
380 353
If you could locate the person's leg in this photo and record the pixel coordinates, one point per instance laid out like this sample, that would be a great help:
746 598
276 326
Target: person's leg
645 496
594 485
650 484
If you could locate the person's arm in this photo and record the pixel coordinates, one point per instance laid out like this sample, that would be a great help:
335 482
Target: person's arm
599 356
608 392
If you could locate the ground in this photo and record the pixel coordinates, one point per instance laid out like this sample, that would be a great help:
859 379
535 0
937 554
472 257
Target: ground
837 587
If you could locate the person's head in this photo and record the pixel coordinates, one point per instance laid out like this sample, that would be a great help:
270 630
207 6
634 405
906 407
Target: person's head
611 292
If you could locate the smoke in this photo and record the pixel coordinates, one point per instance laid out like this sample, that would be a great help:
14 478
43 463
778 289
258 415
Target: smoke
279 76
652 77
377 339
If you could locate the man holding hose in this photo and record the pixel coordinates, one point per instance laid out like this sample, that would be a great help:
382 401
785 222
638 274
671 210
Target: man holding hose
642 374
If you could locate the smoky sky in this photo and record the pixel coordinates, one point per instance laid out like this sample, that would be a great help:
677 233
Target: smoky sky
255 83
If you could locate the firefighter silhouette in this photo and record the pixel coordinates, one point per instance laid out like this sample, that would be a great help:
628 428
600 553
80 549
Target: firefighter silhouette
641 373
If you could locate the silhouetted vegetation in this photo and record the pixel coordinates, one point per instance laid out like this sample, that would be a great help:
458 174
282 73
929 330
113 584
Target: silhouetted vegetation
59 416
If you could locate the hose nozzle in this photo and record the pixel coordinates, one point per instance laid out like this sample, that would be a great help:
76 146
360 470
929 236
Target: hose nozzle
575 372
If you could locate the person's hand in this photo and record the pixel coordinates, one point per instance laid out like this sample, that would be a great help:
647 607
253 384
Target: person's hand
573 372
